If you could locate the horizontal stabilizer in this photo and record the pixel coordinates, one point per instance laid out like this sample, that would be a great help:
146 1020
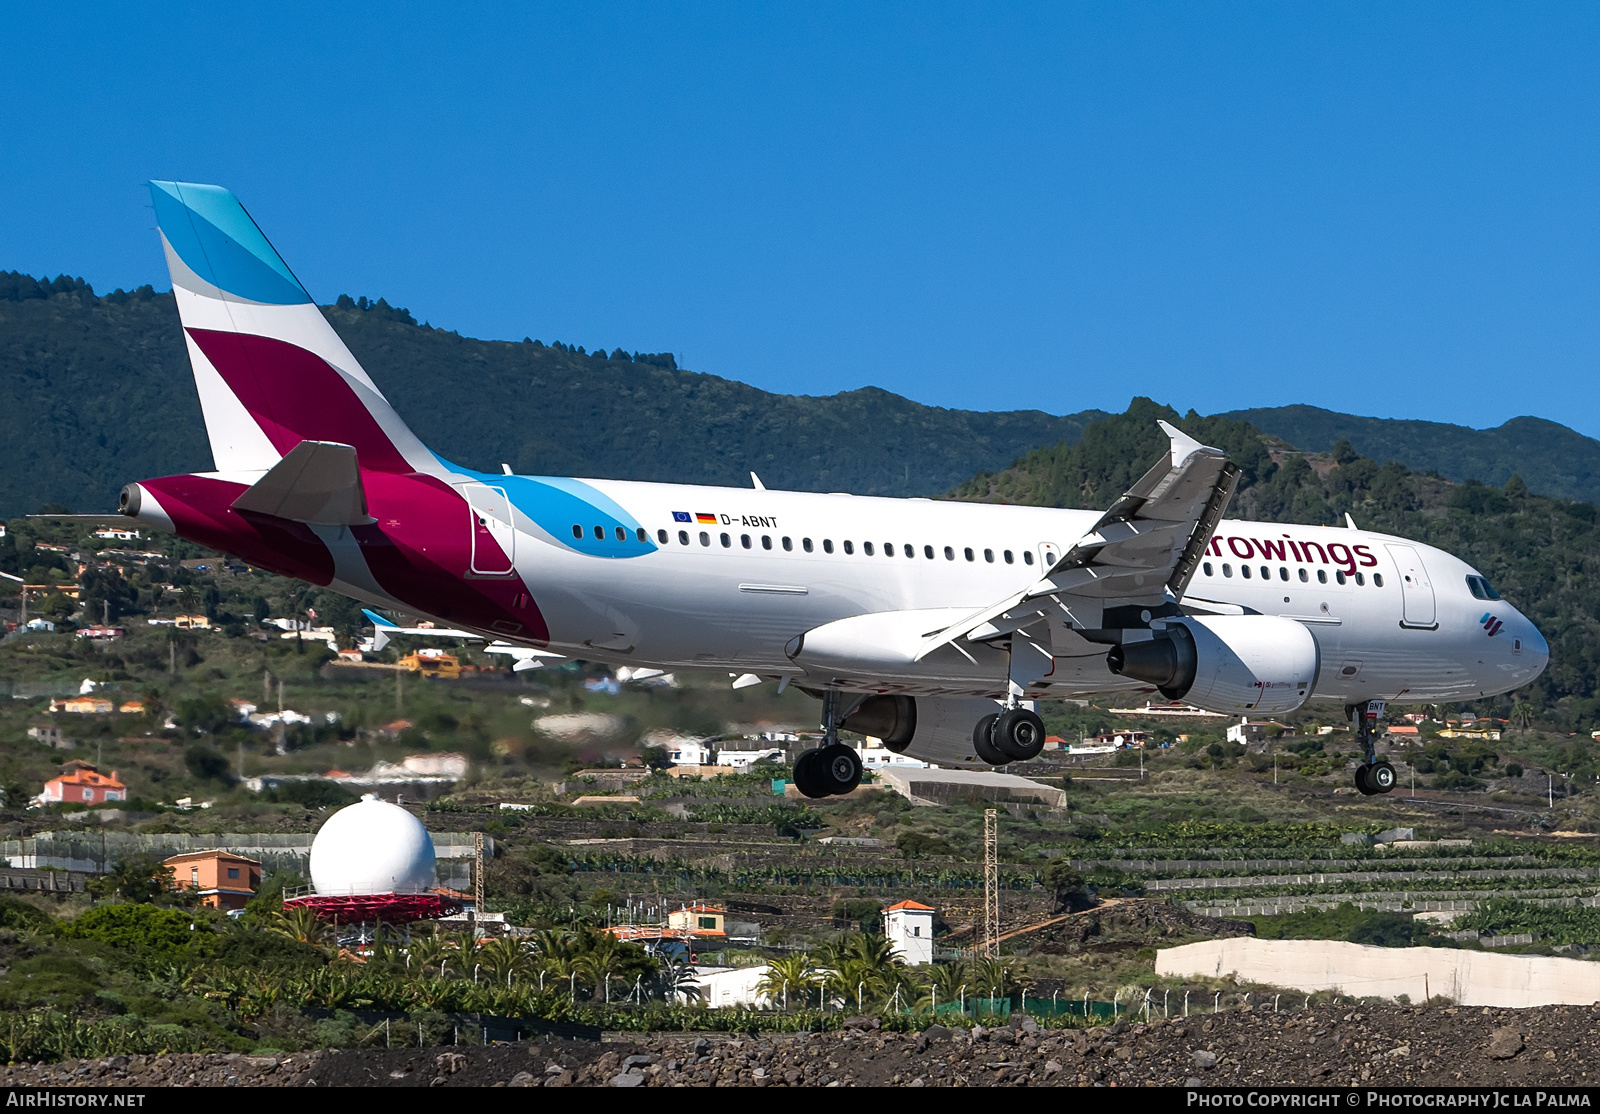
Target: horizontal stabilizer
317 483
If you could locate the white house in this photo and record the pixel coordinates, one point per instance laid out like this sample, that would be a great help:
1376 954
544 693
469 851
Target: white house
909 927
731 987
874 756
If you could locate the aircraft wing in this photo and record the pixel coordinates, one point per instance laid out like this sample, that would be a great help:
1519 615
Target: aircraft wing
1141 553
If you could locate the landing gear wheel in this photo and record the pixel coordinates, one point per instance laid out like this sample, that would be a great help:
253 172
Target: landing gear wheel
808 775
1362 783
983 741
840 768
1019 734
1381 777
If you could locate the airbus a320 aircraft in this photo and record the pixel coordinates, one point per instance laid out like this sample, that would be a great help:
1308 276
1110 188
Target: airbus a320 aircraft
931 625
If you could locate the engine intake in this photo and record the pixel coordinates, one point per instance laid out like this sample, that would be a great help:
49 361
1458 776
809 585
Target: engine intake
892 719
1167 661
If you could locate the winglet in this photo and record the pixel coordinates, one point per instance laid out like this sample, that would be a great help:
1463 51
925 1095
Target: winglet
378 620
1182 444
755 482
1350 522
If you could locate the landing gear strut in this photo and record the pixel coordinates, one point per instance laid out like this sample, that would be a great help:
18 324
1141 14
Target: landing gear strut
1373 775
832 769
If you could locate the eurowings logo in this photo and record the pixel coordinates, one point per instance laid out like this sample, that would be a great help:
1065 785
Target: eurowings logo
1491 625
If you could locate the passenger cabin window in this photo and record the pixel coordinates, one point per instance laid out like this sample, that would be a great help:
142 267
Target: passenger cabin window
805 544
1027 556
866 547
1377 580
827 545
600 533
766 542
1244 571
1339 576
744 540
1227 570
1360 579
1206 568
661 535
927 551
622 535
788 545
644 535
911 551
968 552
705 538
727 542
1283 574
1010 560
683 537
577 532
949 554
849 547
988 555
1266 573
1304 576
1322 576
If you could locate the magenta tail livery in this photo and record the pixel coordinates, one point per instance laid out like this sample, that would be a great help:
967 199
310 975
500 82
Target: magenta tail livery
932 625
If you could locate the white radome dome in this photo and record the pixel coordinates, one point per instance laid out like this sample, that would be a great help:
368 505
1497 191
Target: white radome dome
372 847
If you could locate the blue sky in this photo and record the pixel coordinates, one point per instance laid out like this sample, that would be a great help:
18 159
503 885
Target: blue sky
1384 209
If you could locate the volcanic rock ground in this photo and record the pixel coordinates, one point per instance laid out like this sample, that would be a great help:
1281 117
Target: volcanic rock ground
1383 1046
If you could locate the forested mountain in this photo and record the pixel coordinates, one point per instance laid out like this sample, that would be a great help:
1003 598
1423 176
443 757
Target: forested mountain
1542 553
1551 458
96 391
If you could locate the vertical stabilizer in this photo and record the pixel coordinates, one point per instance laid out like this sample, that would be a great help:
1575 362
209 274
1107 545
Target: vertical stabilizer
270 370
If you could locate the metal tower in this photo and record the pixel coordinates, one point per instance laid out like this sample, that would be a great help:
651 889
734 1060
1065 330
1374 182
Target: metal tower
991 883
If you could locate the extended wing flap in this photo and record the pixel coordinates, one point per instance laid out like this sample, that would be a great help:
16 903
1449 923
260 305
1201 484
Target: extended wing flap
318 483
1144 547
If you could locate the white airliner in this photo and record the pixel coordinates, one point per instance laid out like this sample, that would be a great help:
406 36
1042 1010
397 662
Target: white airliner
932 625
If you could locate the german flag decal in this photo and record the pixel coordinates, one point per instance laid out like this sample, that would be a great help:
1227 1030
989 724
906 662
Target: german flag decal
705 519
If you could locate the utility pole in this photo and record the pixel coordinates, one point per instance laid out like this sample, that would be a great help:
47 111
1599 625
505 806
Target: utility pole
266 686
280 695
172 656
991 883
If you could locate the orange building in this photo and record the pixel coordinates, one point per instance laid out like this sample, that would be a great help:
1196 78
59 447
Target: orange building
81 783
223 880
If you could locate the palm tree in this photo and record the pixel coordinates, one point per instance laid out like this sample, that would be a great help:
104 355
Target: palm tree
791 972
943 983
677 980
599 964
300 925
425 954
1522 713
505 958
991 976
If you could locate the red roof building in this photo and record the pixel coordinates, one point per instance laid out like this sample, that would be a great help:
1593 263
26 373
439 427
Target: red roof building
81 783
223 880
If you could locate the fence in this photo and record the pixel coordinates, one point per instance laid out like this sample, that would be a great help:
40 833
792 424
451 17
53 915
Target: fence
96 852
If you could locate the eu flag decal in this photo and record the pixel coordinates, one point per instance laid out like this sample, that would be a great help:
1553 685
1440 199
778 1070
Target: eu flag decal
682 516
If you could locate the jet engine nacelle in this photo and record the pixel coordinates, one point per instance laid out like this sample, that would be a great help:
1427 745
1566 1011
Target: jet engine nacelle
935 729
1226 663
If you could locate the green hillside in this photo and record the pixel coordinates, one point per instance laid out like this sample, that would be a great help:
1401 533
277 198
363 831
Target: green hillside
1550 457
96 391
1542 553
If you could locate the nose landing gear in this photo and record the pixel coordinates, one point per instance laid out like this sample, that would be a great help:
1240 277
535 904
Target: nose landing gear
1374 775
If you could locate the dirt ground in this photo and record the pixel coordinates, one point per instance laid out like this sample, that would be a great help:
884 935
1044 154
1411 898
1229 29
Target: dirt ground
1383 1046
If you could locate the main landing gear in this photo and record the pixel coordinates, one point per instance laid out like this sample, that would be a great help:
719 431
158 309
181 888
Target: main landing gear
1373 775
1014 735
832 769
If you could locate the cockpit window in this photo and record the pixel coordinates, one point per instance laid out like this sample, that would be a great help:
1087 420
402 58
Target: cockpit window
1481 589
